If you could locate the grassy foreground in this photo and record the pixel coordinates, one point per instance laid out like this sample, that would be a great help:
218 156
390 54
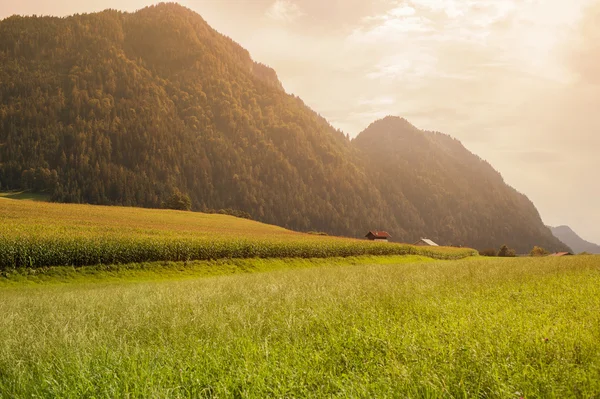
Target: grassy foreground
493 328
38 234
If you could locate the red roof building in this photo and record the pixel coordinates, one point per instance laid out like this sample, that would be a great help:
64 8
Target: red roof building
561 254
378 236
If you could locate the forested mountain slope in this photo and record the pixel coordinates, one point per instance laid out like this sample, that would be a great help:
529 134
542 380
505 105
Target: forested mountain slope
438 189
119 108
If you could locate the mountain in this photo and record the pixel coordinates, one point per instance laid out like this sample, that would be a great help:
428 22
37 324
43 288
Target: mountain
129 108
118 108
578 244
438 189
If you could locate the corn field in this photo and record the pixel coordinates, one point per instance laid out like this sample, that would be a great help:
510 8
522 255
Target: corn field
34 235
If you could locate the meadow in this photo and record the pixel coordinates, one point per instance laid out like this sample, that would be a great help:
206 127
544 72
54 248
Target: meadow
487 328
39 234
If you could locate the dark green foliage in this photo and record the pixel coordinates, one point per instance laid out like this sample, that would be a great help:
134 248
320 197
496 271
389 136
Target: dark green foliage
39 179
178 201
506 252
235 212
489 252
503 251
120 109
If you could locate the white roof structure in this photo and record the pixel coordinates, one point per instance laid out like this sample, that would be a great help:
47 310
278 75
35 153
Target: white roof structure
428 242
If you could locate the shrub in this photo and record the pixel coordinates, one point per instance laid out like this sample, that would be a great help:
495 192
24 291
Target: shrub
505 252
488 252
179 202
538 251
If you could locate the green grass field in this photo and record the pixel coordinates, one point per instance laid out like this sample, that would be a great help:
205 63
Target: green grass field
488 328
38 234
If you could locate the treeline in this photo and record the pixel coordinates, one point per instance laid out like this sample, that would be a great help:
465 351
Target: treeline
132 109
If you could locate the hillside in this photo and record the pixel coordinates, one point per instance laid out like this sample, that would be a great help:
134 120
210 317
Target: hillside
438 189
124 109
116 108
577 244
39 234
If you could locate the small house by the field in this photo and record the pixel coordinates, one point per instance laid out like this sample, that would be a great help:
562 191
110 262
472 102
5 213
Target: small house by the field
425 242
378 236
558 254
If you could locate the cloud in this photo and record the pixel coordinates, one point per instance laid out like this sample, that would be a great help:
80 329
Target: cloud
284 11
402 11
450 8
409 67
377 101
392 26
585 54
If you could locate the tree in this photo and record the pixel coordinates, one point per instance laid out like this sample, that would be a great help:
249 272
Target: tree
505 252
179 201
538 251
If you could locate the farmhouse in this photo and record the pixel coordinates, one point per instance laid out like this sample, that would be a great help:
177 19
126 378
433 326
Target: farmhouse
425 242
378 236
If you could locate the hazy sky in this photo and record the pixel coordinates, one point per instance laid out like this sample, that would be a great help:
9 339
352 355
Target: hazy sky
517 81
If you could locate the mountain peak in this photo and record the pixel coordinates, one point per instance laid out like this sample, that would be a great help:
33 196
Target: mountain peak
573 240
439 189
392 121
390 128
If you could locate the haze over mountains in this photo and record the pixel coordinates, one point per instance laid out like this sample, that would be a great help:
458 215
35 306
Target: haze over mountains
435 186
118 108
577 244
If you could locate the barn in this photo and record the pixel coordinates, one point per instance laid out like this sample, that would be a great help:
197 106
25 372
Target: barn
425 242
378 236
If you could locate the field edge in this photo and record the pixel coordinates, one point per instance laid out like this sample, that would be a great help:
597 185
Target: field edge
152 271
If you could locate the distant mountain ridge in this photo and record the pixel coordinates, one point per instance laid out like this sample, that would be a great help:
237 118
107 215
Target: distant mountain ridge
131 108
577 244
438 189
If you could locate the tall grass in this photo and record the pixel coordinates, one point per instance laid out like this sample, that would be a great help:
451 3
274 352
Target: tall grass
34 235
474 328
